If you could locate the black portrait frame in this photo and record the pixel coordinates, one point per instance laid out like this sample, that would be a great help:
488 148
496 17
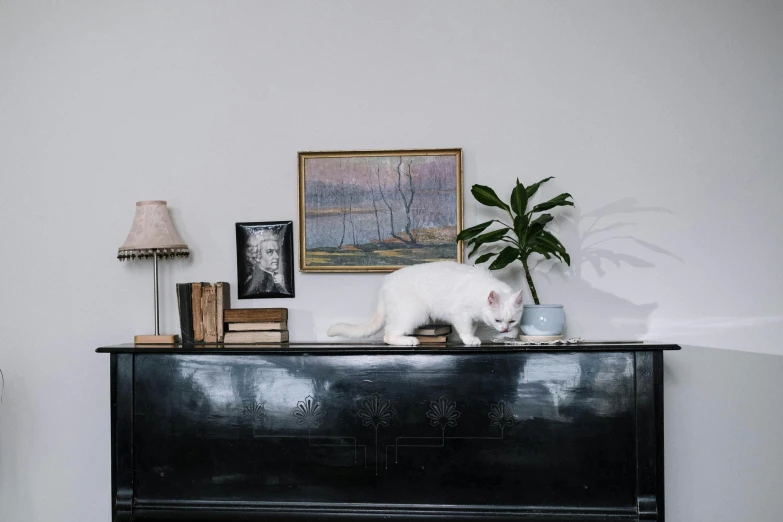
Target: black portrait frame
243 233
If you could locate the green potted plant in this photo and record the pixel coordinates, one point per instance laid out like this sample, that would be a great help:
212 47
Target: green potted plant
524 235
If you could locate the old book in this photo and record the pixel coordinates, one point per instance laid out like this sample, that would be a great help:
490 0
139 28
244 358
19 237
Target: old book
198 319
272 336
222 303
185 306
256 315
209 313
433 329
431 339
247 327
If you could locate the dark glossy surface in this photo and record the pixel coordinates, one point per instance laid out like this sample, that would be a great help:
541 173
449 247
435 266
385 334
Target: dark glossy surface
377 348
474 435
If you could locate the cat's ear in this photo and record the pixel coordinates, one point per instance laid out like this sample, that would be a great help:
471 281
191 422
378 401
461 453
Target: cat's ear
518 300
493 299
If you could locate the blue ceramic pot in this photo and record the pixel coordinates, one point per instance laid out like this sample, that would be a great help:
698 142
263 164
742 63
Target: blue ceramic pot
542 320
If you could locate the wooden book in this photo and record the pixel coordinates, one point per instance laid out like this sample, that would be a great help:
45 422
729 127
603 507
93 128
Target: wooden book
433 329
256 315
198 319
209 313
222 303
248 327
272 336
431 339
154 339
185 306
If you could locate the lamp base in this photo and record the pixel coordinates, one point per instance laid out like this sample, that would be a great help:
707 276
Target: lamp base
154 339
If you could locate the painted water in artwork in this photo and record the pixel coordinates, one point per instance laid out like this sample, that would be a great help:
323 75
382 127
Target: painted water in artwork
380 211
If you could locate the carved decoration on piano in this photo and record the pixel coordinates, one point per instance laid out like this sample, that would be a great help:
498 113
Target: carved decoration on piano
253 411
375 412
499 416
307 412
444 414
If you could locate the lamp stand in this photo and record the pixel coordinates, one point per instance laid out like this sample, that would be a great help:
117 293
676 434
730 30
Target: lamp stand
157 338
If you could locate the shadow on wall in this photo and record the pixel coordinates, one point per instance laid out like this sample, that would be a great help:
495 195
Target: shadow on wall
598 240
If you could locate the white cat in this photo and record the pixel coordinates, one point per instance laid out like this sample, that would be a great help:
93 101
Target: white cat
443 291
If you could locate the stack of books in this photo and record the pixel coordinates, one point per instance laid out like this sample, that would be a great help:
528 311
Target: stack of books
201 307
256 325
432 333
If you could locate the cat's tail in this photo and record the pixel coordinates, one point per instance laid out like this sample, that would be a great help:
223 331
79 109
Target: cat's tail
358 331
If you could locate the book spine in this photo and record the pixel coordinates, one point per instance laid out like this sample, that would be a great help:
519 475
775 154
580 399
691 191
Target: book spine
257 337
209 313
185 305
223 300
256 315
254 327
198 325
432 339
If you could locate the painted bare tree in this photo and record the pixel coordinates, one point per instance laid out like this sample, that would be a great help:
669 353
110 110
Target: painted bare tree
410 240
374 198
343 211
406 201
351 194
385 201
346 195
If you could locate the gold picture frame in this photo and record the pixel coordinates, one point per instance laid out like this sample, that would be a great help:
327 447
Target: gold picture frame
380 210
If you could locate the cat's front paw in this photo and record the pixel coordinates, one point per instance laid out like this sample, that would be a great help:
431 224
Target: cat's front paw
470 340
401 340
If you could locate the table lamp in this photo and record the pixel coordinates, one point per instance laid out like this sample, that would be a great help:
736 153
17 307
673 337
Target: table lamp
153 236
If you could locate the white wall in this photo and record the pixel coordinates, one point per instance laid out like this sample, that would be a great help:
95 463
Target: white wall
663 119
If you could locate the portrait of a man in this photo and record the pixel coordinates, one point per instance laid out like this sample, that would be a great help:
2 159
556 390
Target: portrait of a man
264 259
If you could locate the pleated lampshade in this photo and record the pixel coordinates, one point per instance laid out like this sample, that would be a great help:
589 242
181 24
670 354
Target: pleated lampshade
152 231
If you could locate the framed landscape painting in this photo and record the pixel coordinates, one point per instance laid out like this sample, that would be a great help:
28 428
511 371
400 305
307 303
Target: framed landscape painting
377 211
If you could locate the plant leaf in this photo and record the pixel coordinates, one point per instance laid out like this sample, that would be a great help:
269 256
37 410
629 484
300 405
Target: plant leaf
533 231
542 250
473 231
551 237
486 196
532 189
546 243
552 204
519 199
543 219
557 201
506 256
489 237
546 250
520 225
483 258
550 243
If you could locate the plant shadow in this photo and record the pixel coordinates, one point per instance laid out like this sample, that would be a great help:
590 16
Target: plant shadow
597 240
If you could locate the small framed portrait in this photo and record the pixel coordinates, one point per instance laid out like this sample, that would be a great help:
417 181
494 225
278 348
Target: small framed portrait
265 255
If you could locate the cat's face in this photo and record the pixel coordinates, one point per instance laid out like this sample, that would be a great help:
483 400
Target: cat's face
503 313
